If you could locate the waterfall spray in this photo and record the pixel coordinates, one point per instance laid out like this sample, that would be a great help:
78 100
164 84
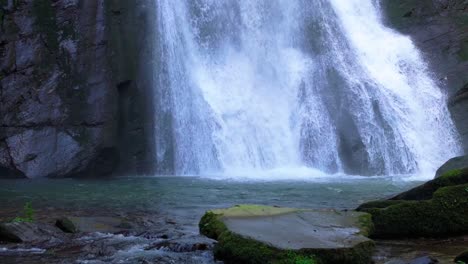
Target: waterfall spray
281 84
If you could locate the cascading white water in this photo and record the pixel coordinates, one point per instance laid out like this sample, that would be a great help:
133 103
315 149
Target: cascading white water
273 84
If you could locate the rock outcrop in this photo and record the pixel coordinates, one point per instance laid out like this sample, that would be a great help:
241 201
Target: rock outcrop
262 234
440 30
61 97
437 208
459 107
29 232
453 164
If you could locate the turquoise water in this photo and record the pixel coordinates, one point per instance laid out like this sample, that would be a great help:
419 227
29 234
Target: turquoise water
189 197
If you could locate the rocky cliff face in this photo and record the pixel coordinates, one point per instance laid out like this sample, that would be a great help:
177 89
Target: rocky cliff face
60 97
440 29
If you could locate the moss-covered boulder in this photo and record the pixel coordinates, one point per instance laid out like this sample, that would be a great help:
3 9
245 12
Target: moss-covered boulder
426 191
262 234
66 225
462 258
453 164
446 213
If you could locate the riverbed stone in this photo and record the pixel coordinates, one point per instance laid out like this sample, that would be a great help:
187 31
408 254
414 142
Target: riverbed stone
23 232
100 224
66 225
264 234
184 244
424 260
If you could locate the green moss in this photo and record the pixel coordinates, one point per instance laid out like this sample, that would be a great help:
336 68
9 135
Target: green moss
27 215
210 225
246 210
426 191
366 224
445 214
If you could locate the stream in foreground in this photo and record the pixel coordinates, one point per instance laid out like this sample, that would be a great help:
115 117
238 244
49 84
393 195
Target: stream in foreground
169 208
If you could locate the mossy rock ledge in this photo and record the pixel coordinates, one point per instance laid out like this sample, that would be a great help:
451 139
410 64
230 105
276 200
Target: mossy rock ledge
438 208
254 234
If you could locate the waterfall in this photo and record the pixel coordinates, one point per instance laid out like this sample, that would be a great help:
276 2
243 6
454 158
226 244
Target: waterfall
275 84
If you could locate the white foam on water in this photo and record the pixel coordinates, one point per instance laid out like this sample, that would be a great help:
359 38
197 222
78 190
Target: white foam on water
250 98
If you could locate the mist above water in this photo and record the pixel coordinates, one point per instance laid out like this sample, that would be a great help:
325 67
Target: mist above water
293 86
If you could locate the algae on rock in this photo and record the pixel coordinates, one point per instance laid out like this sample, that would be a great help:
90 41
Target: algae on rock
262 234
435 209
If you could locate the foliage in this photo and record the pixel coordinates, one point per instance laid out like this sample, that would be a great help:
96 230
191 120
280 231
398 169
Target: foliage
299 259
28 214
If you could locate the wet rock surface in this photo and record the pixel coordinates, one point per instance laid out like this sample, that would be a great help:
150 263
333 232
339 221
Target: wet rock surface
156 237
54 87
18 232
64 110
126 237
252 234
440 30
409 250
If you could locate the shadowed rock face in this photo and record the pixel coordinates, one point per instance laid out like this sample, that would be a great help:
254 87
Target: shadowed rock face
61 108
440 29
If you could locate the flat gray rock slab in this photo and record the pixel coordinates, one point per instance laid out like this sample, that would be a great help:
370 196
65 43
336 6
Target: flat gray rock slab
317 229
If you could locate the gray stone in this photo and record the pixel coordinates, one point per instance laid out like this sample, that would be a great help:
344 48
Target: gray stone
459 108
61 110
424 260
303 229
22 232
184 244
100 224
66 225
327 235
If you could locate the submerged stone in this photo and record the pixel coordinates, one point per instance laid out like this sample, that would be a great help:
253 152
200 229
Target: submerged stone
263 234
99 224
66 225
